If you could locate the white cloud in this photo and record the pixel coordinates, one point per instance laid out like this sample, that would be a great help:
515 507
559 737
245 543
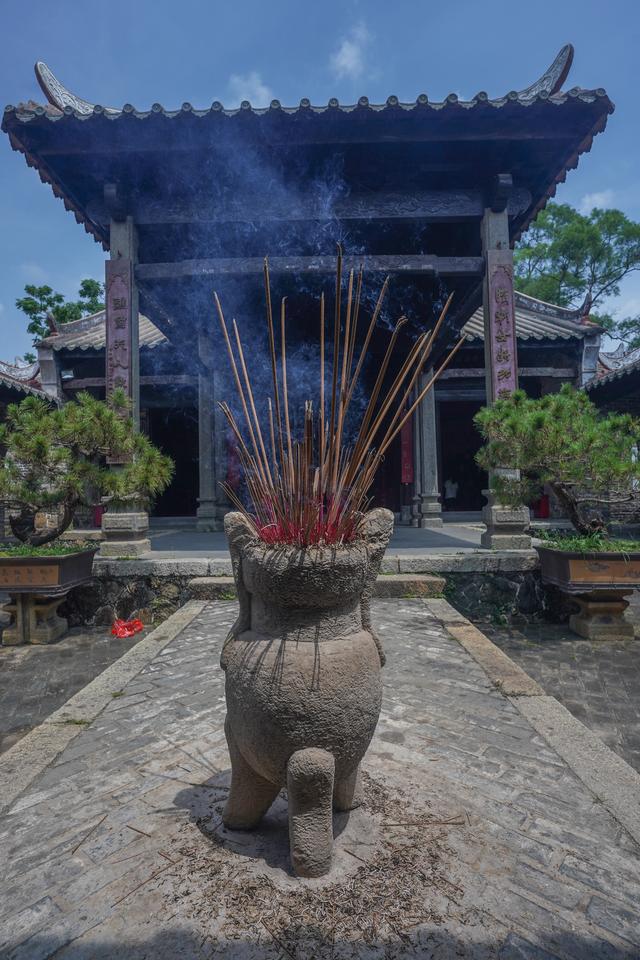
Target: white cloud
33 272
249 86
348 61
601 199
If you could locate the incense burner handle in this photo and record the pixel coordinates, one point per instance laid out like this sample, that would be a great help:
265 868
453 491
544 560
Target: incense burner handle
238 533
377 527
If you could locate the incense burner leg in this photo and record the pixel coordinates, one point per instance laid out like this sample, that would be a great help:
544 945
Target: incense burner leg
348 793
250 795
310 776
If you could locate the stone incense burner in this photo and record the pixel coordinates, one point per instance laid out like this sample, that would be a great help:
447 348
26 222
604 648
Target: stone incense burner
303 684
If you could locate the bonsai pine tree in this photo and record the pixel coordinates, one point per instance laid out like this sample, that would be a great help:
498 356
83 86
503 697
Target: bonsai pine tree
588 459
55 458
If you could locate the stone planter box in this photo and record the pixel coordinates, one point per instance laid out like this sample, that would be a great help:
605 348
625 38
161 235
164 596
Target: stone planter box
37 586
599 583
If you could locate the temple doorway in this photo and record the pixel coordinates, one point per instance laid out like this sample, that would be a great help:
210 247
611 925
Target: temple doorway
175 431
461 480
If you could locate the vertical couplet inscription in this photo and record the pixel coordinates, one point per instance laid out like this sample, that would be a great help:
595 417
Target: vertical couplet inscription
504 360
118 295
119 275
406 451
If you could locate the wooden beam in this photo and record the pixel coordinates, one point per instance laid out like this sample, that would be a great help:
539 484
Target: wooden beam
84 383
253 266
458 373
555 127
459 394
433 205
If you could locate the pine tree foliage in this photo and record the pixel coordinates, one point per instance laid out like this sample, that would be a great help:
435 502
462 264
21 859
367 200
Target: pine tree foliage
588 459
55 459
571 258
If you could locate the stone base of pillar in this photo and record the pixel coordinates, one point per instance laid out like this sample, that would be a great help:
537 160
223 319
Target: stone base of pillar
415 512
430 511
601 616
125 533
124 548
506 526
207 517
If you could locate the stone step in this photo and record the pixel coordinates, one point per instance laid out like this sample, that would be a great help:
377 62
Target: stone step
212 588
408 585
387 585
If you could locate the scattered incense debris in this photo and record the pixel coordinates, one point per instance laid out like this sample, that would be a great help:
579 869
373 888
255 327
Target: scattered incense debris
87 835
407 882
137 830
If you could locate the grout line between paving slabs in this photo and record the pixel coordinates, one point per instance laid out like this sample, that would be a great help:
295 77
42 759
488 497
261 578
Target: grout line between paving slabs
33 753
606 775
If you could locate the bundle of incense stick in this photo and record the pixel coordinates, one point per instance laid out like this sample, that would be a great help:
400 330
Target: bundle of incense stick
314 490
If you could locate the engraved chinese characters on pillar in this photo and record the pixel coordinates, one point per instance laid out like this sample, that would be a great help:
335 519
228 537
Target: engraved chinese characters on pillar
118 326
118 294
504 359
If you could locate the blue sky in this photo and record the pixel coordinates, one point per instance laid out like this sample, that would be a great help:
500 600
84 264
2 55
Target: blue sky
142 51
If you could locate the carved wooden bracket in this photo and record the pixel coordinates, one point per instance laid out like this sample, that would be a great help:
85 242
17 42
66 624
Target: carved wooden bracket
114 201
500 192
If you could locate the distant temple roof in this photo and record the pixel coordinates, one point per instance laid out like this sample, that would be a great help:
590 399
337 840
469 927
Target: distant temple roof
535 320
538 320
21 377
89 333
616 365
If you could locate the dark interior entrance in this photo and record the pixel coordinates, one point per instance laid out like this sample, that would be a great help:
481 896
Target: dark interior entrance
459 443
175 431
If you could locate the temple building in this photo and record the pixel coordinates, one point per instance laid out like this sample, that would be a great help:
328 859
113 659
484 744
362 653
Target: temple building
555 346
431 194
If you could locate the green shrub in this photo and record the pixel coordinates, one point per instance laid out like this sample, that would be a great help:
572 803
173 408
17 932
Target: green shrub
561 440
55 458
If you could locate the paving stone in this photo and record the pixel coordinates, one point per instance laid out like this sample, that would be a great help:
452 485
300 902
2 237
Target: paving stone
618 919
540 871
598 682
36 680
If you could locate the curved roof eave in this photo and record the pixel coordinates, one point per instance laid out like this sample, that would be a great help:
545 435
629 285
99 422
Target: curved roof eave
63 106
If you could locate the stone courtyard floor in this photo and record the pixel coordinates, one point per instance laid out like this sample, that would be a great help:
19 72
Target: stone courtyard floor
36 680
599 682
496 825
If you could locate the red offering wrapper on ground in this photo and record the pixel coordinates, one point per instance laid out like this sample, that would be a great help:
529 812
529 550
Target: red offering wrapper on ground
126 628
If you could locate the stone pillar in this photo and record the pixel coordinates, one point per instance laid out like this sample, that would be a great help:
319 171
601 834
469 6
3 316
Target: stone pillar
122 354
417 482
207 512
427 456
505 526
125 527
221 428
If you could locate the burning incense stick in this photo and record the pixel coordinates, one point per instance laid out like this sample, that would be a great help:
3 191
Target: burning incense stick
315 490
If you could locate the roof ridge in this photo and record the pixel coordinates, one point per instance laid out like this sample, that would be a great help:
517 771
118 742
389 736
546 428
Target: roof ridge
28 111
547 86
547 303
